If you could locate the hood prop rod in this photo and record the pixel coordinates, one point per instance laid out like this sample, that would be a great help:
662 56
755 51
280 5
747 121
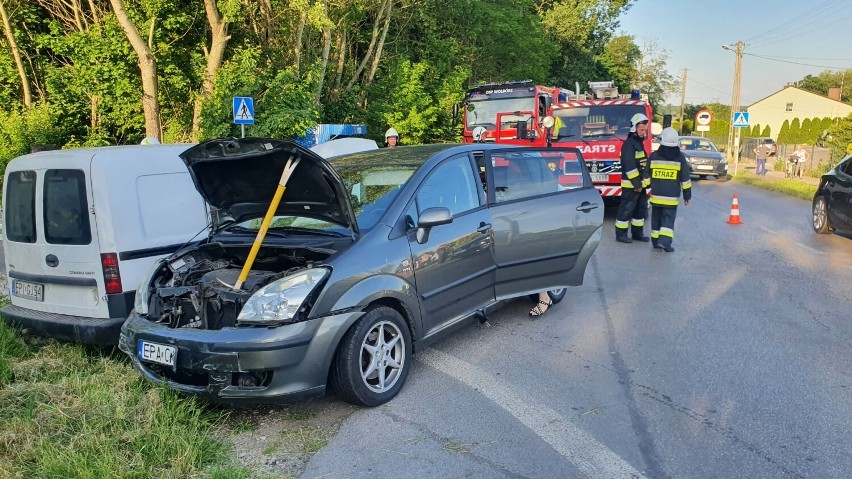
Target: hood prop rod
264 226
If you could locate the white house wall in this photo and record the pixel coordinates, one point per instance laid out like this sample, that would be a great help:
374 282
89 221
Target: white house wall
772 110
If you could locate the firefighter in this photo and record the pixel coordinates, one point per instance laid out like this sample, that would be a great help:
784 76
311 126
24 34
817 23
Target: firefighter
634 201
391 137
668 172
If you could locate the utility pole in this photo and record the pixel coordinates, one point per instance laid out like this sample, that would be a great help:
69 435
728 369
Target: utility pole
734 133
682 99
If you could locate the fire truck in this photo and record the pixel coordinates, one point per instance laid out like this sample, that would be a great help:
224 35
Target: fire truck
598 123
521 105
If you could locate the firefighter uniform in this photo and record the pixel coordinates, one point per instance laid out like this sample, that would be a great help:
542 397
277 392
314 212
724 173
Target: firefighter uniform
634 204
668 173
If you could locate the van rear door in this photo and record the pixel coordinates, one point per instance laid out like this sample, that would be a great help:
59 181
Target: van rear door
58 268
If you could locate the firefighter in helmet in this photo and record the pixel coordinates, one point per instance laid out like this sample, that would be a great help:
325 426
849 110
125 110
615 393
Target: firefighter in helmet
391 137
634 202
668 172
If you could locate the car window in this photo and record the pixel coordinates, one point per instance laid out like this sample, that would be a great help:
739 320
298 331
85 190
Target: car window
522 174
451 185
372 188
66 209
847 167
20 207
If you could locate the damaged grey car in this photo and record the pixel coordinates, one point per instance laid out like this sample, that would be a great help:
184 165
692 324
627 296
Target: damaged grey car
367 258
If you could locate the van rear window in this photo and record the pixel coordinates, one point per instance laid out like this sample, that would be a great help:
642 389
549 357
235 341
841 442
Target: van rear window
66 210
20 223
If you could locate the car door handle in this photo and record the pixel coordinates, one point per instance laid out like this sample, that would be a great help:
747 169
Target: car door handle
484 227
585 206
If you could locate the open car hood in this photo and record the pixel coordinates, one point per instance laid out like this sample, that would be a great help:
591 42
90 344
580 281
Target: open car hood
240 176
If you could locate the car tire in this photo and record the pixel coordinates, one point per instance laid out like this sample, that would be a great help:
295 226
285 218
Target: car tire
819 220
361 373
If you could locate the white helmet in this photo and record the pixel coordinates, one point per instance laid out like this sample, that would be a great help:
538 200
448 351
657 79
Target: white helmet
637 118
479 134
669 137
391 132
150 140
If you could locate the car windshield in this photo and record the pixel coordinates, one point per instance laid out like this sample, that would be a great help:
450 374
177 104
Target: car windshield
697 144
602 121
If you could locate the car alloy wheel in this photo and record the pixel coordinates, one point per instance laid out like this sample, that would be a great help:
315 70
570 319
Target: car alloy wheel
373 359
557 295
820 216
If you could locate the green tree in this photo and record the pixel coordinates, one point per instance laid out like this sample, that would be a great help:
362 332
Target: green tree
784 134
755 131
767 132
821 83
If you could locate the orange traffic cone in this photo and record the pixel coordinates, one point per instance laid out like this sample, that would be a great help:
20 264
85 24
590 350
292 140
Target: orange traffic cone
734 219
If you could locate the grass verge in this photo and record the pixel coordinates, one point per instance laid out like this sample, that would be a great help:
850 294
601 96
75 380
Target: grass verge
72 411
786 186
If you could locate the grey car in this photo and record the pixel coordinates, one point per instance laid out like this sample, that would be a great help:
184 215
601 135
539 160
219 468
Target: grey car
704 157
369 258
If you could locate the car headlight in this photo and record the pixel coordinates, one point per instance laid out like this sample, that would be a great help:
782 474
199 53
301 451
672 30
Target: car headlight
140 304
279 301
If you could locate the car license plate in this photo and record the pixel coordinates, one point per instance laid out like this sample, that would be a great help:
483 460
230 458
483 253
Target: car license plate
23 289
599 177
703 167
157 353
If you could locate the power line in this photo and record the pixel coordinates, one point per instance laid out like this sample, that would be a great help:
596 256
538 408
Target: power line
810 17
810 58
800 31
797 63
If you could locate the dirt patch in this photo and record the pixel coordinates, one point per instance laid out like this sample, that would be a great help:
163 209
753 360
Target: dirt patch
280 440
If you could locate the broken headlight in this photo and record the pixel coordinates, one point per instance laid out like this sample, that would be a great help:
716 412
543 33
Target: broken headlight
279 301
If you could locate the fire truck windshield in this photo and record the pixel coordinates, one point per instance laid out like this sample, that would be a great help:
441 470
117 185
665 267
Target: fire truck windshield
484 112
594 121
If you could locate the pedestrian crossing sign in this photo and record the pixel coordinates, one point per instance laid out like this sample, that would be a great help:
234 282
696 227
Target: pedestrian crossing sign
741 119
243 110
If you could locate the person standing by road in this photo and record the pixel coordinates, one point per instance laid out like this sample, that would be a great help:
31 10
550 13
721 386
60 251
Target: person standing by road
801 155
760 153
634 201
668 172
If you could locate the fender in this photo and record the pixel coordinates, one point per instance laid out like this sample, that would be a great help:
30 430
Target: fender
376 287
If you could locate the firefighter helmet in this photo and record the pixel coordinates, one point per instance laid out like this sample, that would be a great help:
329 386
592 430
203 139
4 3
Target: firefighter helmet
391 132
669 137
637 119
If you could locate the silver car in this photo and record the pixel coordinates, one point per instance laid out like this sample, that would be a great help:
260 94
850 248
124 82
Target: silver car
368 258
704 157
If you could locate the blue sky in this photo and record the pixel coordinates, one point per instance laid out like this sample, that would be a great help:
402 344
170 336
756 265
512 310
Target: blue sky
815 33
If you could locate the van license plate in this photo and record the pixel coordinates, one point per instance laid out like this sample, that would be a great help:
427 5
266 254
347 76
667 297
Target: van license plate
157 353
23 289
599 177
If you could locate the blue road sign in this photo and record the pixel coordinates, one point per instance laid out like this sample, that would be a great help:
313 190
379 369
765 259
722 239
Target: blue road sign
741 119
243 110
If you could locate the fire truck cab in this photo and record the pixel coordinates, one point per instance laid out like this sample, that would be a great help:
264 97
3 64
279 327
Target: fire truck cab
597 124
509 112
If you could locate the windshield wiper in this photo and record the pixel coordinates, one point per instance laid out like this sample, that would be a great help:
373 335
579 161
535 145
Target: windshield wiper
243 229
606 135
560 138
309 231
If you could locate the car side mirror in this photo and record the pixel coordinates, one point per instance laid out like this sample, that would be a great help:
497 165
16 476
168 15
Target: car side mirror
455 114
429 218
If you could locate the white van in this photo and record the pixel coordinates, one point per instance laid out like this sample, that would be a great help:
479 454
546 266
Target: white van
83 226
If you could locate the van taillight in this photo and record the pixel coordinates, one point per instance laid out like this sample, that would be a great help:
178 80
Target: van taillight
112 277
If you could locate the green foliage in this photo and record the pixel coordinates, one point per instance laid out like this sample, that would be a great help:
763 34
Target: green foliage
784 134
840 141
766 131
21 130
828 79
755 131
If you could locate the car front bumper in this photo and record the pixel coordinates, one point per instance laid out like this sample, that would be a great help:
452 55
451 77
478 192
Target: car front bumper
242 364
78 329
718 169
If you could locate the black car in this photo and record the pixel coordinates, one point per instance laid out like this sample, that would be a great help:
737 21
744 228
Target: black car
832 206
704 157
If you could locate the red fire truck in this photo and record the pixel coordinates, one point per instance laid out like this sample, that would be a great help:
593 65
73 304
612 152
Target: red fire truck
522 105
598 123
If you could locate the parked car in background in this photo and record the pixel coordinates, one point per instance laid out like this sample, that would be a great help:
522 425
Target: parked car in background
832 204
368 257
704 157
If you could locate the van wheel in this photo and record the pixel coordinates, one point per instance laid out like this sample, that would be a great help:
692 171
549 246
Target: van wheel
373 359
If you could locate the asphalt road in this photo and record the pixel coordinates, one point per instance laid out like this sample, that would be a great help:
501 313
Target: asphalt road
729 358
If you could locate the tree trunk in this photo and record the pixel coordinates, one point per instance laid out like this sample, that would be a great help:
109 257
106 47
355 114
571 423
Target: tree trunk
13 46
381 45
370 49
297 48
147 68
341 57
326 51
214 57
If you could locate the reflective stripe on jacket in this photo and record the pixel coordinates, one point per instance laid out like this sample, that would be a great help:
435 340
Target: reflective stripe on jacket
633 162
